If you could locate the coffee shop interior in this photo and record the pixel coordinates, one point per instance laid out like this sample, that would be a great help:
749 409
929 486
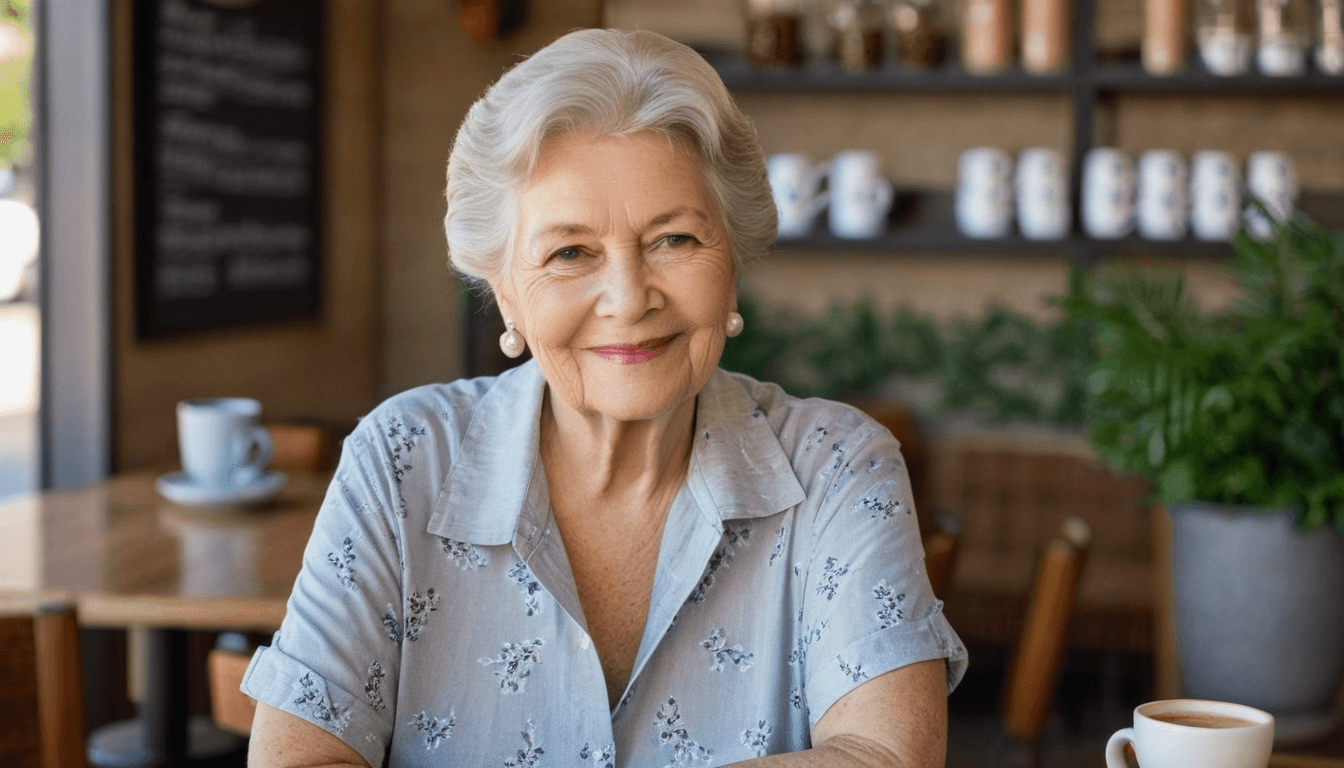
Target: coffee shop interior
1059 247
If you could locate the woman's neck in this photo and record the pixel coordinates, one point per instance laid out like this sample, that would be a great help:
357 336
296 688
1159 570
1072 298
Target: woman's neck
599 457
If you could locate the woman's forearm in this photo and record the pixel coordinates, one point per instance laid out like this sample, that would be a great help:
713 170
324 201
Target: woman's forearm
837 752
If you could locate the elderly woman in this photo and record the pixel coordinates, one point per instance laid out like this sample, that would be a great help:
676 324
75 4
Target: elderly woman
615 554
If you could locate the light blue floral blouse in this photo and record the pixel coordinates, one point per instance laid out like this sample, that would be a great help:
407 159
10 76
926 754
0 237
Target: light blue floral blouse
436 623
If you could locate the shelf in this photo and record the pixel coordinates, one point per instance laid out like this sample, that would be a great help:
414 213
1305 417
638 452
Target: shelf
924 221
921 221
1106 77
830 77
1130 77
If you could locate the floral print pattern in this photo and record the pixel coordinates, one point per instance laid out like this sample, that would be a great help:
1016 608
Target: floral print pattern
604 757
314 701
373 689
530 755
758 739
830 577
436 731
722 654
418 609
345 573
890 614
672 732
514 664
464 555
734 537
522 576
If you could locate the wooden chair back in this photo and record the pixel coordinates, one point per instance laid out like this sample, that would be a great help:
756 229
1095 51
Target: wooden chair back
940 558
230 708
300 447
42 680
1034 671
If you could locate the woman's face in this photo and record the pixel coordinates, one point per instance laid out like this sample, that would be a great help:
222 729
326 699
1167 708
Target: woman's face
621 277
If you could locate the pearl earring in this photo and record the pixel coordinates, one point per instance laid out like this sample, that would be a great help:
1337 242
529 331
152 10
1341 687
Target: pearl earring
511 342
735 324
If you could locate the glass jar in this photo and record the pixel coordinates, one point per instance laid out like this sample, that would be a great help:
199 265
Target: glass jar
1281 51
1224 31
1330 37
774 32
921 41
858 26
987 39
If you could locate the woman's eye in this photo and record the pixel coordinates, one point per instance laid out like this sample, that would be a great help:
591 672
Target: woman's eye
567 254
678 240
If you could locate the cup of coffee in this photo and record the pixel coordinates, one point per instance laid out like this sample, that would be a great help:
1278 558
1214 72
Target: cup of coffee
795 183
1194 733
861 196
221 442
1108 193
1042 189
1163 206
1271 178
984 200
1215 195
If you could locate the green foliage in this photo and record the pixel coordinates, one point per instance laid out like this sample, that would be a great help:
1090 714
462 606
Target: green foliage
1000 367
15 112
1244 406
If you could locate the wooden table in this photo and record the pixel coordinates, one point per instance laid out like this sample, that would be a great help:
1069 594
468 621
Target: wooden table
129 558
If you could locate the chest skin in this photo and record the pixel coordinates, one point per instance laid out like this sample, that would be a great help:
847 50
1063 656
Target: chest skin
613 560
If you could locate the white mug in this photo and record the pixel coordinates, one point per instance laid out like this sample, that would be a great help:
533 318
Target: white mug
1193 733
984 200
1281 56
795 183
221 443
1163 207
861 196
1215 195
1042 190
1107 198
1225 51
1271 178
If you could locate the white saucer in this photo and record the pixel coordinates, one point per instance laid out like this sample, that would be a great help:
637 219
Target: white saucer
178 487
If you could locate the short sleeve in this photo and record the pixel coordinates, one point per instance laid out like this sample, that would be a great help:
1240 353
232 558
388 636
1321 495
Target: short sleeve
868 607
335 660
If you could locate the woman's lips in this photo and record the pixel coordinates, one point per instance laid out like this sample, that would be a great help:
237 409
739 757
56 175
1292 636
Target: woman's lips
630 354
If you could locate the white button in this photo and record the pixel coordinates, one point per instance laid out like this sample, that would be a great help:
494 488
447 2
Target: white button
584 642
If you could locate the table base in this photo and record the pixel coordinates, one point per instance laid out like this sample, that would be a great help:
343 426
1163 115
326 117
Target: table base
124 745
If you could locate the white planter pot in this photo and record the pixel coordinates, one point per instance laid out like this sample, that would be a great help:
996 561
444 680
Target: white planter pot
1259 613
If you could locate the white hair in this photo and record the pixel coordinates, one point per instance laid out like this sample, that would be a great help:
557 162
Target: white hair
611 83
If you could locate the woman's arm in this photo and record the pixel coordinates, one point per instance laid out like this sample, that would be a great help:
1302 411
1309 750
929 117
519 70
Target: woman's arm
898 719
282 740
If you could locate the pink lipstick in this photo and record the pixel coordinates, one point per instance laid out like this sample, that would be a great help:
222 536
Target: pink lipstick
630 354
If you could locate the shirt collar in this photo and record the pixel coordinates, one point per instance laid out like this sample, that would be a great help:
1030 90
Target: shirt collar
738 468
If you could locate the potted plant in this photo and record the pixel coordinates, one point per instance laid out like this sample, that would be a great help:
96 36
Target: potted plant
1237 420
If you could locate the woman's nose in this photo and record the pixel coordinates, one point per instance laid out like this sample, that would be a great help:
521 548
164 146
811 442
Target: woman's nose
628 291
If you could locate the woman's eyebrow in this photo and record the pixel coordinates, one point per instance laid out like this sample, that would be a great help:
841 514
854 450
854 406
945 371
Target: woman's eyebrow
677 213
558 231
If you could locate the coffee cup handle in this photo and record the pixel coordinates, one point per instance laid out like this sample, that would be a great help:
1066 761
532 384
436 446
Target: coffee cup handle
1115 748
260 448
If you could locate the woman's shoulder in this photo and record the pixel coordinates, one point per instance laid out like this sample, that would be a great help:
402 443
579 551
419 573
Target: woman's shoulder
796 419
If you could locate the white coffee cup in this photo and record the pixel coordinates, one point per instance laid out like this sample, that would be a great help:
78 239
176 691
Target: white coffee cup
1042 191
1215 195
984 200
221 442
1271 178
1193 733
860 195
1163 206
1107 196
795 183
1281 56
1224 51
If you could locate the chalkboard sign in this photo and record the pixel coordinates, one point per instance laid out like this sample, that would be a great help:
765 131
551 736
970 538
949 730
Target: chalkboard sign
227 159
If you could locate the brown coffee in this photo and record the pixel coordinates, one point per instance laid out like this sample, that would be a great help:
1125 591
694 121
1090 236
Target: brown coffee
1202 720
